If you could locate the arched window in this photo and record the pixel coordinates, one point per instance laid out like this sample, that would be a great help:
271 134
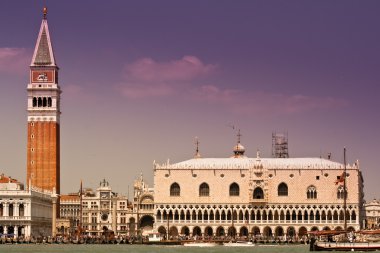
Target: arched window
234 189
44 102
258 193
34 102
282 189
204 190
311 192
340 193
175 190
49 102
39 102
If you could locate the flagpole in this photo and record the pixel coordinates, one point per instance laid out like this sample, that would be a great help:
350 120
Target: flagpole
344 190
80 211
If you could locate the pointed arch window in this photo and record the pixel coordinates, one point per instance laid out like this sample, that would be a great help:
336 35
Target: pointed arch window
204 190
282 189
175 190
311 192
340 192
258 193
234 189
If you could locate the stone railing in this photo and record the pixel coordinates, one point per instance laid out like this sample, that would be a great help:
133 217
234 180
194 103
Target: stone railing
14 218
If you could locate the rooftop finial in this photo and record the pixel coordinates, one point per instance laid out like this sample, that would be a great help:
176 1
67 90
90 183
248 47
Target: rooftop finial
239 135
44 11
239 149
197 155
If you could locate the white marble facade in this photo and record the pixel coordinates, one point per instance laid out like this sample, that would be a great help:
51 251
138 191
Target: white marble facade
255 196
26 213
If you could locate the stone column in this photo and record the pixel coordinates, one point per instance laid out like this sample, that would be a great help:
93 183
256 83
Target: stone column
114 215
16 209
6 209
54 198
15 231
5 230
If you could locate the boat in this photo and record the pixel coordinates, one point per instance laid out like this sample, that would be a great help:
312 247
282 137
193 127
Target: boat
239 244
350 245
344 240
199 244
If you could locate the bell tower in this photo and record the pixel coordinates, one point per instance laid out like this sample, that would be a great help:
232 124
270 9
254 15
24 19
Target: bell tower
43 109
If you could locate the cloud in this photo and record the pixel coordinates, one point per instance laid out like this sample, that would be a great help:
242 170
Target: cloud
248 102
14 60
185 79
149 78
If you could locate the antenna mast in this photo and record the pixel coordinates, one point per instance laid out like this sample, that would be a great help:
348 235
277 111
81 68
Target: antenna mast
344 190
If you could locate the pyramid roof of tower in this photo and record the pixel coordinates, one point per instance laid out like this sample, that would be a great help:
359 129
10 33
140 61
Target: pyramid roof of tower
43 52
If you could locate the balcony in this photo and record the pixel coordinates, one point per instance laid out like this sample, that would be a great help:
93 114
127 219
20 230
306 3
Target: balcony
14 218
258 201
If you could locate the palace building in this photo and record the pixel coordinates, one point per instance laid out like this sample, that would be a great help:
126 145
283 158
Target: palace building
43 145
243 196
24 213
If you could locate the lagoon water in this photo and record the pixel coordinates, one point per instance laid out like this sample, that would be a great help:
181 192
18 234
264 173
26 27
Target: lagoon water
91 248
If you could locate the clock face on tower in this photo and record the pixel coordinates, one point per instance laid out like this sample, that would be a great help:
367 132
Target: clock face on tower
41 76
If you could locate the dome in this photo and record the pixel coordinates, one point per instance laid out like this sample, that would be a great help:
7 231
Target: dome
239 150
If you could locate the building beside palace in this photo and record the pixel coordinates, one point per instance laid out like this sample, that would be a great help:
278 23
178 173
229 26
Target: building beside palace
143 208
245 196
104 210
69 220
372 214
24 213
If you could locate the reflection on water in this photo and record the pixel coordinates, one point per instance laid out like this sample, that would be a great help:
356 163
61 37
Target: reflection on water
59 248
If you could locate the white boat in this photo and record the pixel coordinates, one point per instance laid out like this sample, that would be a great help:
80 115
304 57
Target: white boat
199 244
239 244
154 237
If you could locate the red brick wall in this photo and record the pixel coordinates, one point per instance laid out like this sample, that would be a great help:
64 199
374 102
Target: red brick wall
43 162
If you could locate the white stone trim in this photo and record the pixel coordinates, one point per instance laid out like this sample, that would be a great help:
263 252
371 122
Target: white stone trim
43 118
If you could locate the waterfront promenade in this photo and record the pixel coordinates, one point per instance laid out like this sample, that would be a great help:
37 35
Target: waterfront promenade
86 248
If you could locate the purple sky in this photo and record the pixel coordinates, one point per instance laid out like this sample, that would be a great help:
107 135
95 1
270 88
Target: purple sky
141 79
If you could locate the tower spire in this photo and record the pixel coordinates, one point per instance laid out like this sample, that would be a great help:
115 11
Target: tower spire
43 52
